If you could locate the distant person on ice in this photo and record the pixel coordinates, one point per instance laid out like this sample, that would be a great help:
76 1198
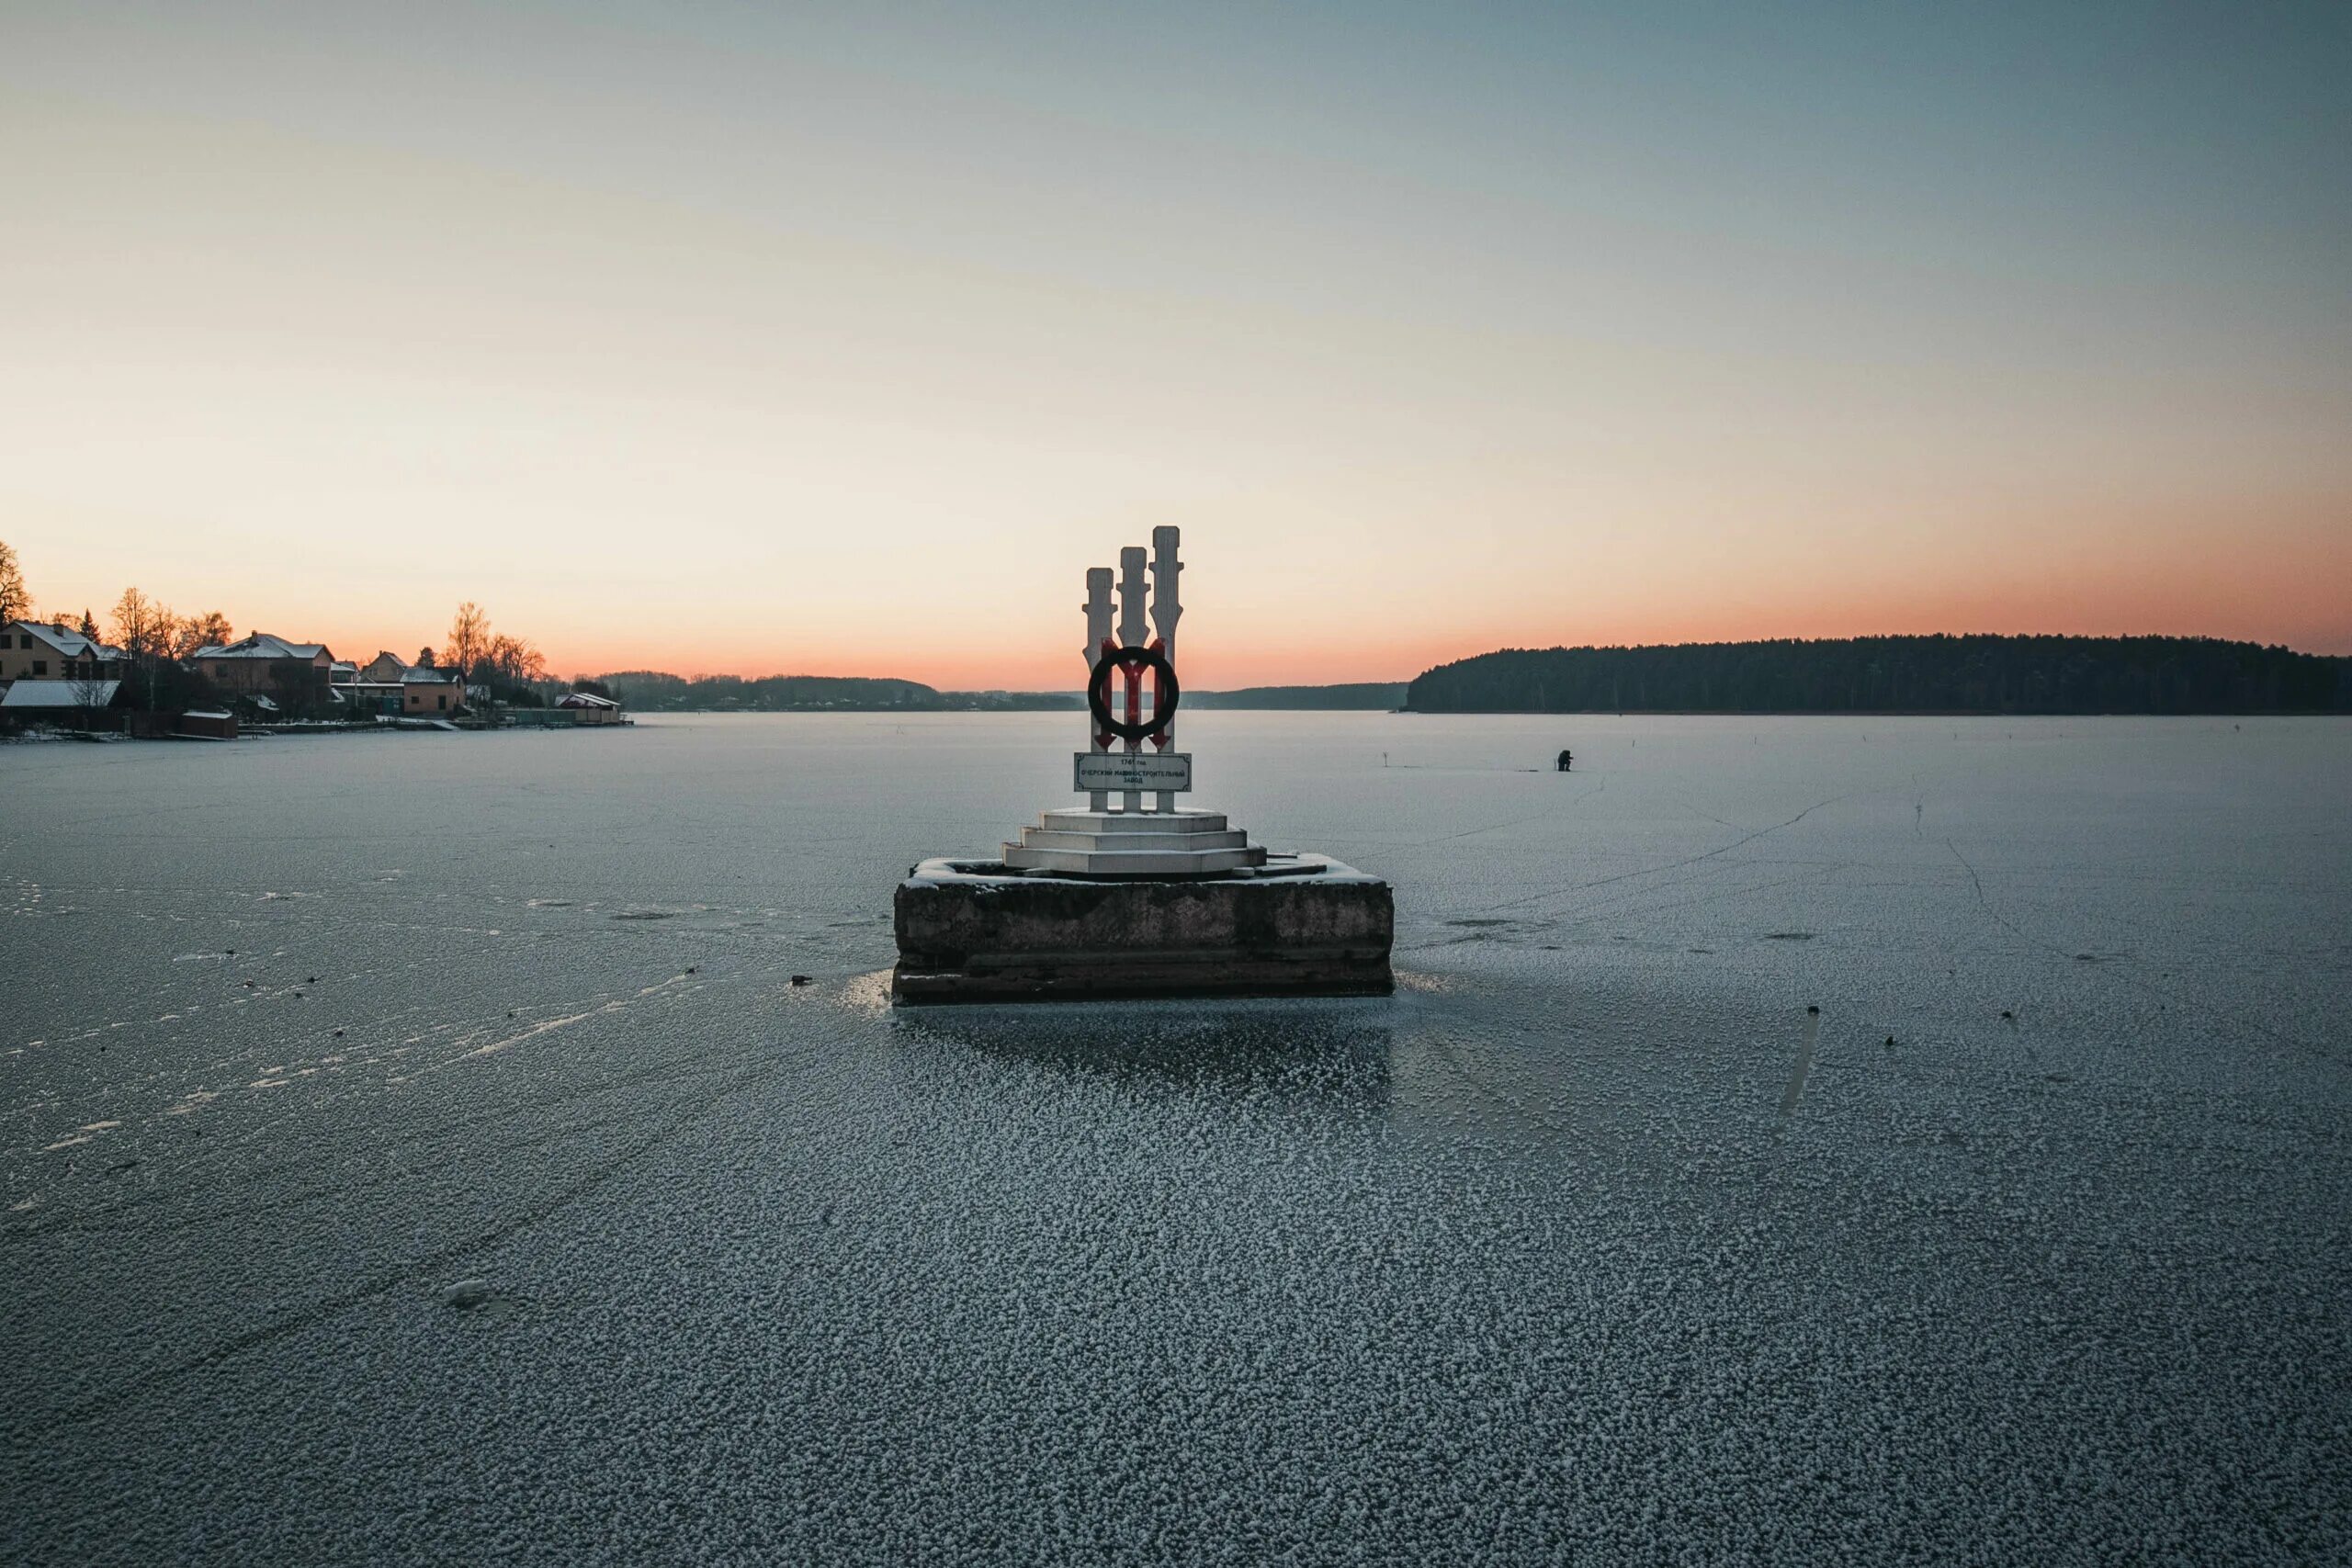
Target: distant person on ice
1566 757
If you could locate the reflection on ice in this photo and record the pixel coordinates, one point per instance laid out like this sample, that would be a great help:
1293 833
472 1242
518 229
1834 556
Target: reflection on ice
1332 1050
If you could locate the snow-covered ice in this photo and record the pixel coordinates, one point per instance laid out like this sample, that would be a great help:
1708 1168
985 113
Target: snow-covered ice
2030 1246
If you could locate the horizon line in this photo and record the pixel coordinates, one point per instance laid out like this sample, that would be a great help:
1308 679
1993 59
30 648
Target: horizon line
1510 647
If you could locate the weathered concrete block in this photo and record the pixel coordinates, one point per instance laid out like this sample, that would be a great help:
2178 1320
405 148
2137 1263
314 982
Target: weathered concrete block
1303 925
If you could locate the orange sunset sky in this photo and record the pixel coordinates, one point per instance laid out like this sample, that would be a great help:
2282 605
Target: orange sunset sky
709 340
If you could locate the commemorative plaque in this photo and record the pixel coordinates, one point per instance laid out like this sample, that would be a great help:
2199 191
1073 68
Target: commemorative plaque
1159 772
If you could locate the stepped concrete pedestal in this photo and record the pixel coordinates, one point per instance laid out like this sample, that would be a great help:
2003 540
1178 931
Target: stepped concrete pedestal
1134 843
1289 925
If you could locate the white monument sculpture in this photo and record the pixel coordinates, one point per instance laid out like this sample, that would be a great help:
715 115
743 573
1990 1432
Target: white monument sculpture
1097 840
1124 901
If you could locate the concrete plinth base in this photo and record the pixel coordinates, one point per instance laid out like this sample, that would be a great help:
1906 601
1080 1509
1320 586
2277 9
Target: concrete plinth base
980 930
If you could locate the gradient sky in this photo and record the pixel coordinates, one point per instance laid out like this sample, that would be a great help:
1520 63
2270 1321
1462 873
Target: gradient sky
740 337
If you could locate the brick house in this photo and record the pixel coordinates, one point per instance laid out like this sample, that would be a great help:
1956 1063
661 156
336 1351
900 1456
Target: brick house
386 685
297 676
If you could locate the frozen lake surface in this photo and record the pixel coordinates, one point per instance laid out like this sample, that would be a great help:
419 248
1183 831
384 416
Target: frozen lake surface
2041 1252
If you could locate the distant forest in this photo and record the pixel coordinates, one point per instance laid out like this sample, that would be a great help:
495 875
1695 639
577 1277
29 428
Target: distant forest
1380 695
1895 674
652 690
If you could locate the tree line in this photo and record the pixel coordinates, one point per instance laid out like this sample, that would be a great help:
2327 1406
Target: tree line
1895 674
657 690
1356 695
156 644
154 640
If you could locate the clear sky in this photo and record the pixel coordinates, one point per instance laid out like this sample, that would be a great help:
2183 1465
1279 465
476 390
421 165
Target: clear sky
742 337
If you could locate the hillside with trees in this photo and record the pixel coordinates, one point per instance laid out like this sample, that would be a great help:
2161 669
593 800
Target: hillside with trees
1359 695
1895 674
655 691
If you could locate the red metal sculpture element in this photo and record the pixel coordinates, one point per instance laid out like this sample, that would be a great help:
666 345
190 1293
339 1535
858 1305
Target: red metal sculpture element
1132 663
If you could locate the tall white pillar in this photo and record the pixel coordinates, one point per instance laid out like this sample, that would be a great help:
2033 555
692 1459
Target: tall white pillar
1098 630
1166 608
1131 635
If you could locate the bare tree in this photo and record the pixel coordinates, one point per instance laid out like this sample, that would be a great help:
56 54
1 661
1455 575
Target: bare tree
468 639
89 693
514 659
192 632
144 626
16 603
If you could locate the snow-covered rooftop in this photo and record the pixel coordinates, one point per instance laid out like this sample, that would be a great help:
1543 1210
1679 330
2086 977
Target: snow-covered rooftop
261 645
70 643
59 694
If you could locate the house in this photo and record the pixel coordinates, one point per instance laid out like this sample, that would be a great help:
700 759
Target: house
373 687
587 707
427 690
298 676
385 686
43 650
